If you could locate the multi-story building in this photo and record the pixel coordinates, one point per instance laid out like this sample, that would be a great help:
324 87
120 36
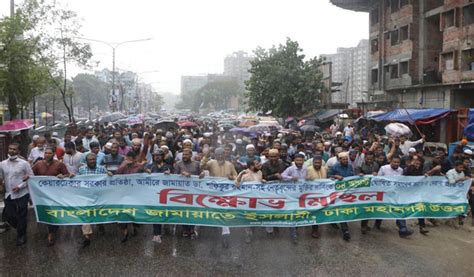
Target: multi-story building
350 70
237 65
421 52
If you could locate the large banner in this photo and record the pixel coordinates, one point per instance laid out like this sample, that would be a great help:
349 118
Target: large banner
173 199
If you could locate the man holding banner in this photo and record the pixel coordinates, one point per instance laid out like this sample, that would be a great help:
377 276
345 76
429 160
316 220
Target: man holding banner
91 168
51 167
222 168
341 170
394 169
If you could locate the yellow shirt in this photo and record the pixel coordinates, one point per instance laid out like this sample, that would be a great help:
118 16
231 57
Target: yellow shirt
314 174
225 170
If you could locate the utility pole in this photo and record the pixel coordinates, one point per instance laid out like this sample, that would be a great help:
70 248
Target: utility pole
114 105
12 8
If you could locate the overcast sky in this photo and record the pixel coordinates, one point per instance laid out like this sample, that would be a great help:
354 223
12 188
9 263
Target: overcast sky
193 36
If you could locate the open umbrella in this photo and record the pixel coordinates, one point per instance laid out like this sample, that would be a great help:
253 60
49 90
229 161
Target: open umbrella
166 124
310 129
398 129
263 128
16 125
248 123
186 124
134 120
46 115
112 117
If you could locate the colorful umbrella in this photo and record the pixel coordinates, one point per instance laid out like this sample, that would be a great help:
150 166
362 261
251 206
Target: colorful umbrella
16 125
248 123
46 115
186 123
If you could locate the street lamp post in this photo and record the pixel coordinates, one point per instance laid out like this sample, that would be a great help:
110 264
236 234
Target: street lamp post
114 46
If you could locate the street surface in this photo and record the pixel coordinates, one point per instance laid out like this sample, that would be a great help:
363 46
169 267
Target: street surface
444 252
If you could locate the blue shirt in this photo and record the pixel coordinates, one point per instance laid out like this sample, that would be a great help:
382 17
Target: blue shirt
100 157
245 159
85 170
344 171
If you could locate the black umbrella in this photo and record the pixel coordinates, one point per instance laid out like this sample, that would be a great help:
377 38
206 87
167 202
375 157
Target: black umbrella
310 129
166 125
112 117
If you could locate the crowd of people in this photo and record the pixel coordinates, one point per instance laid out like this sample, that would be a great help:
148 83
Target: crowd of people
210 151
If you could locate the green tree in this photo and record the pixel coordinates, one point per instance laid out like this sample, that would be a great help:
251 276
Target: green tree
283 82
61 46
216 95
22 76
90 91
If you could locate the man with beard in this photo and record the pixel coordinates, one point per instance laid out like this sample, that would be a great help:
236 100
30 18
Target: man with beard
51 167
415 168
188 167
394 169
72 158
13 175
158 166
368 167
91 168
284 155
221 168
316 171
94 148
295 173
274 167
113 160
250 155
339 171
88 139
130 165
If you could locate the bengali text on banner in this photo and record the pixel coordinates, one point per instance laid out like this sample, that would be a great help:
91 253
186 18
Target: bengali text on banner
173 199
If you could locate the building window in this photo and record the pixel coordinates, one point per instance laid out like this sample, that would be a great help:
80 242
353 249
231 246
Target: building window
394 5
449 61
374 16
374 76
468 15
374 45
394 71
394 37
404 33
468 60
404 68
448 18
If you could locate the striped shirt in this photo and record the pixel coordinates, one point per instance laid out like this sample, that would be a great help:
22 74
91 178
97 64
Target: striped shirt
85 170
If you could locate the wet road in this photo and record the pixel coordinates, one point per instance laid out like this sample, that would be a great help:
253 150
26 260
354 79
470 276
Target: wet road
444 252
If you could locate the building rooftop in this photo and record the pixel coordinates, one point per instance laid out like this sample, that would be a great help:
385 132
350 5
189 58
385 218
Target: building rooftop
354 5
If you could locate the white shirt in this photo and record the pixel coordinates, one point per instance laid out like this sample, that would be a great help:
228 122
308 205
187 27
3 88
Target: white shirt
86 142
453 176
387 170
35 154
409 144
331 162
348 131
13 173
73 162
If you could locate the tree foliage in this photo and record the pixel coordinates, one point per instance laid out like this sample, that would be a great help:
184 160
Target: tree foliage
214 95
283 82
90 92
37 44
22 76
